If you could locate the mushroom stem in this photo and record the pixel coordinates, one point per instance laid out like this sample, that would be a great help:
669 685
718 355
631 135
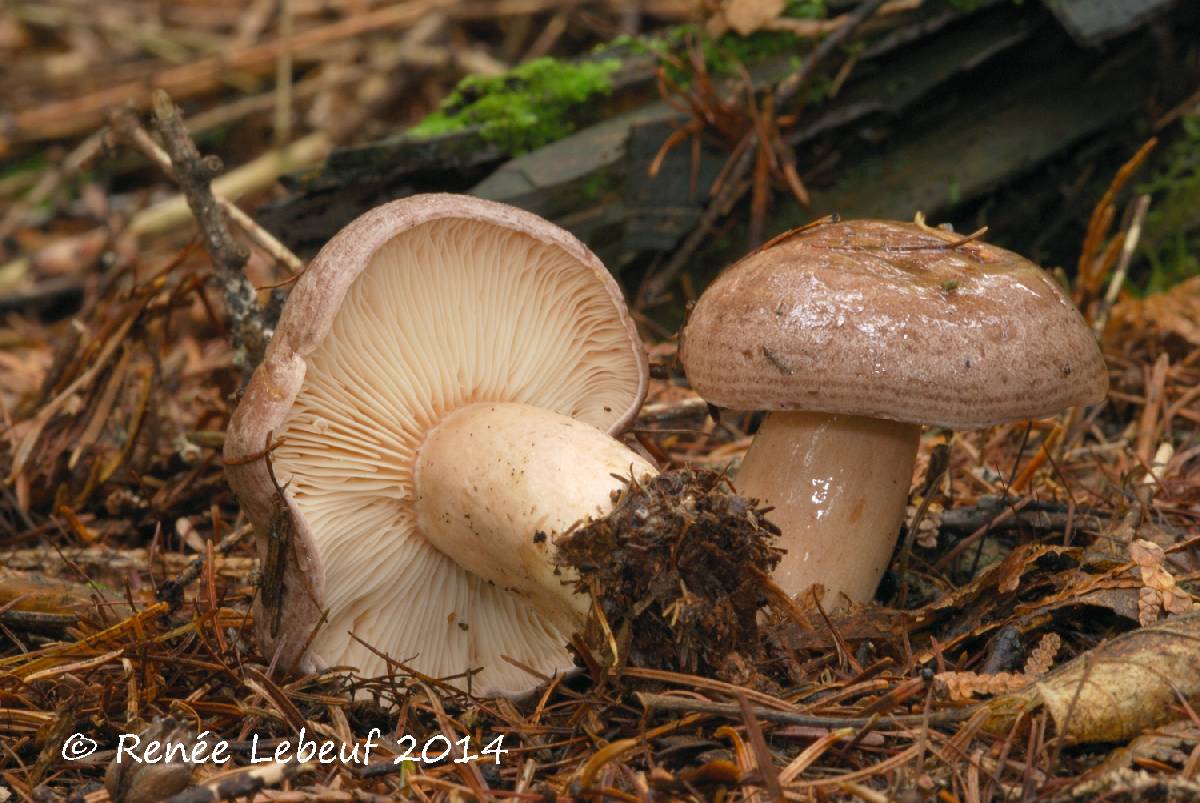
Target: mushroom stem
496 484
838 485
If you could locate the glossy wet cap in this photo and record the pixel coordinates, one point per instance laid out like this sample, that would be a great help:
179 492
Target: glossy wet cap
891 320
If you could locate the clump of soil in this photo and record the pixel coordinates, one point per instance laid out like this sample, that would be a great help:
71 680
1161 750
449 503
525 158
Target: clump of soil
678 569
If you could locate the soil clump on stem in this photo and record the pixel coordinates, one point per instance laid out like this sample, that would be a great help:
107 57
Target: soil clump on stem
677 573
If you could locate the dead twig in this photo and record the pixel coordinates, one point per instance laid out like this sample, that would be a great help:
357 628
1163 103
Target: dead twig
1129 244
172 590
194 174
126 127
666 702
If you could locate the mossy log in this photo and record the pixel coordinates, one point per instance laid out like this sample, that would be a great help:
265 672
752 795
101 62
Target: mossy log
969 116
586 168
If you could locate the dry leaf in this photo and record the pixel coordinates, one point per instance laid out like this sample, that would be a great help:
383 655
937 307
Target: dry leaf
1175 311
1128 784
1009 574
143 782
1159 591
1117 690
31 592
748 16
1150 602
960 687
1146 554
1170 744
1042 657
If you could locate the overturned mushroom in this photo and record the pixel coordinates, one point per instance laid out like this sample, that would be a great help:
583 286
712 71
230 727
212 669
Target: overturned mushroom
441 385
855 334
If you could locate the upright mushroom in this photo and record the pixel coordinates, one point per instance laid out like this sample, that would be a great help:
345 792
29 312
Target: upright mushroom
441 388
855 334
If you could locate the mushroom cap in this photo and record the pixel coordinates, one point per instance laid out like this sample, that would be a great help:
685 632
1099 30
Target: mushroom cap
417 308
891 320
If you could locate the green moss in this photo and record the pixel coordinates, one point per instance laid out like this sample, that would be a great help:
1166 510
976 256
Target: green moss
1171 235
523 109
954 192
805 9
32 162
595 185
723 55
531 105
630 45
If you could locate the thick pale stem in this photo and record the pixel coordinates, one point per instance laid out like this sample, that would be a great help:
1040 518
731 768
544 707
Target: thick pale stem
497 483
839 485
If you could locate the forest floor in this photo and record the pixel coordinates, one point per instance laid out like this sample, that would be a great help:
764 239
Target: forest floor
1037 637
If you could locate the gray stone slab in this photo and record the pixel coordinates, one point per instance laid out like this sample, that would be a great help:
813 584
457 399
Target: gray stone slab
1091 22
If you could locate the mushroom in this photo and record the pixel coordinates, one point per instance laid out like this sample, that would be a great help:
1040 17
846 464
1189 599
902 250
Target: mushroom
439 395
854 334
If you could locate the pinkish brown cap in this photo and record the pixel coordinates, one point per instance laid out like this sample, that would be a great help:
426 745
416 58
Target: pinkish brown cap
417 308
891 320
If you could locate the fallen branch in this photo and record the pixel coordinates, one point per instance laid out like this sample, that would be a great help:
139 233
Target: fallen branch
108 563
195 174
1036 516
126 126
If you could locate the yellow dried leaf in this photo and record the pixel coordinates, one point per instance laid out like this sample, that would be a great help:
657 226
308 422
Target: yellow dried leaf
1117 690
